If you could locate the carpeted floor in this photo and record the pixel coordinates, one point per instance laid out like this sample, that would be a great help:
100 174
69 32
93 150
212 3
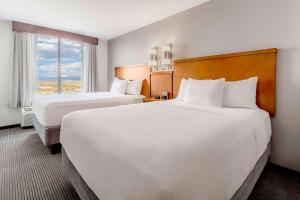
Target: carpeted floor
29 171
277 183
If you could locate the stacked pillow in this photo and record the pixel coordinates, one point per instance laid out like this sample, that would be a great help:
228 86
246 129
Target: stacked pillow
205 92
134 87
119 86
126 87
240 94
218 93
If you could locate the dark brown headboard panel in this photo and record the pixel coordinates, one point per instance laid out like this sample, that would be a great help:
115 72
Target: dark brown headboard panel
136 72
234 66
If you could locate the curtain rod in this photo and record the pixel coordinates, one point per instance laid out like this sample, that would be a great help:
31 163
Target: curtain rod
23 27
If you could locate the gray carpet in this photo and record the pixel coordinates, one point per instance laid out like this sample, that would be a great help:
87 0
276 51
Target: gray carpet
277 183
28 170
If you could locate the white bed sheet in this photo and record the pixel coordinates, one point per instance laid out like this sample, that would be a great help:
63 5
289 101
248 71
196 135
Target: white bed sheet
165 150
50 109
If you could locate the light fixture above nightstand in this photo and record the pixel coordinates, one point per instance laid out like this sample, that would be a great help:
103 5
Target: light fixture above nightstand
166 59
153 59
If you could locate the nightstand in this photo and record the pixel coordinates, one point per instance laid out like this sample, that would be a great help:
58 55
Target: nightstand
161 81
151 99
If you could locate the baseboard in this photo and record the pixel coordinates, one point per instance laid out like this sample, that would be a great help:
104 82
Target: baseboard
27 127
285 170
10 126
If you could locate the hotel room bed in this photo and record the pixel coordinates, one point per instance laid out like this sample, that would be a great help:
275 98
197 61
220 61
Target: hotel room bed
165 150
175 150
49 110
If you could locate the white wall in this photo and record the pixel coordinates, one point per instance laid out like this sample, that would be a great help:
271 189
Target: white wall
8 116
222 26
102 65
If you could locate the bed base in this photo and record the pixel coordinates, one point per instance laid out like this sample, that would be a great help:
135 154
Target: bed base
82 189
85 193
246 188
49 135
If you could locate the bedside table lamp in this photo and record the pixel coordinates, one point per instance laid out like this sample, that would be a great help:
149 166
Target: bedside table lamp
166 60
153 59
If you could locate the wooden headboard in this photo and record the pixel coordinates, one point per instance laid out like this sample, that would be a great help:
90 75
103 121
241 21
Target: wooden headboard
136 72
234 66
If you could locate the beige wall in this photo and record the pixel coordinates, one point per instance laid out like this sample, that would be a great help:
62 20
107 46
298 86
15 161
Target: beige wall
221 26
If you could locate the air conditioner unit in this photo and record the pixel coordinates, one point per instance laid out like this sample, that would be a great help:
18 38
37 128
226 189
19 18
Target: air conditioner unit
26 116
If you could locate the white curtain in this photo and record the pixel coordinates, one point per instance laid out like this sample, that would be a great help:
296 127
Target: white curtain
23 67
90 67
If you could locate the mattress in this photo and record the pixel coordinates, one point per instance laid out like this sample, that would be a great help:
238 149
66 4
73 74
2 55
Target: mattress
50 109
85 193
165 150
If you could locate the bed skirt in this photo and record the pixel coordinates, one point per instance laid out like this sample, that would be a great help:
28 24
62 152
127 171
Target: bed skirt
82 189
85 193
49 135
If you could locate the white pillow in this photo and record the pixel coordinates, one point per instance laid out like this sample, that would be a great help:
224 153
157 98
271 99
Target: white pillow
205 92
182 89
119 86
241 94
134 87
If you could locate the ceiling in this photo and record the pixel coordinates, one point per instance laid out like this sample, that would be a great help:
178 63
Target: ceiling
106 19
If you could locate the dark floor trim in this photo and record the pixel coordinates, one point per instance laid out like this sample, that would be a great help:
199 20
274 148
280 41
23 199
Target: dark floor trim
285 170
10 126
27 127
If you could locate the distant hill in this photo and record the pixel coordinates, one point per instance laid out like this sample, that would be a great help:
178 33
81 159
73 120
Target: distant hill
68 78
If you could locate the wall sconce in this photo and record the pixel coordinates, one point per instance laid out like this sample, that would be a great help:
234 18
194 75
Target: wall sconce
166 60
153 59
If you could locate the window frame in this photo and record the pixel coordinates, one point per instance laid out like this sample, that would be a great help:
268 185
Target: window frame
59 64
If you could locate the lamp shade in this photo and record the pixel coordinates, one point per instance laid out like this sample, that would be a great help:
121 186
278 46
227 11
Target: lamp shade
166 55
153 58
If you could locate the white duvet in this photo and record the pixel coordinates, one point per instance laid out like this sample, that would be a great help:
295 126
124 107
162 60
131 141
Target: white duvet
50 109
165 150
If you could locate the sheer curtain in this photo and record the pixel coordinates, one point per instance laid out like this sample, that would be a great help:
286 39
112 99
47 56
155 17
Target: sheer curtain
90 67
23 67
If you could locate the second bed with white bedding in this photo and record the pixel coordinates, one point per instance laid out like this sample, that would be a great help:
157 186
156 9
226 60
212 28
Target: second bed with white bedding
49 110
165 150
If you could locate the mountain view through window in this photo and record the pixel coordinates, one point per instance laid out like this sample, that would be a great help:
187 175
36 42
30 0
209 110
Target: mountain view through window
59 66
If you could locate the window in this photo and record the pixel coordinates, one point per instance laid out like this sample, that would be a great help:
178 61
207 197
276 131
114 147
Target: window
59 65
